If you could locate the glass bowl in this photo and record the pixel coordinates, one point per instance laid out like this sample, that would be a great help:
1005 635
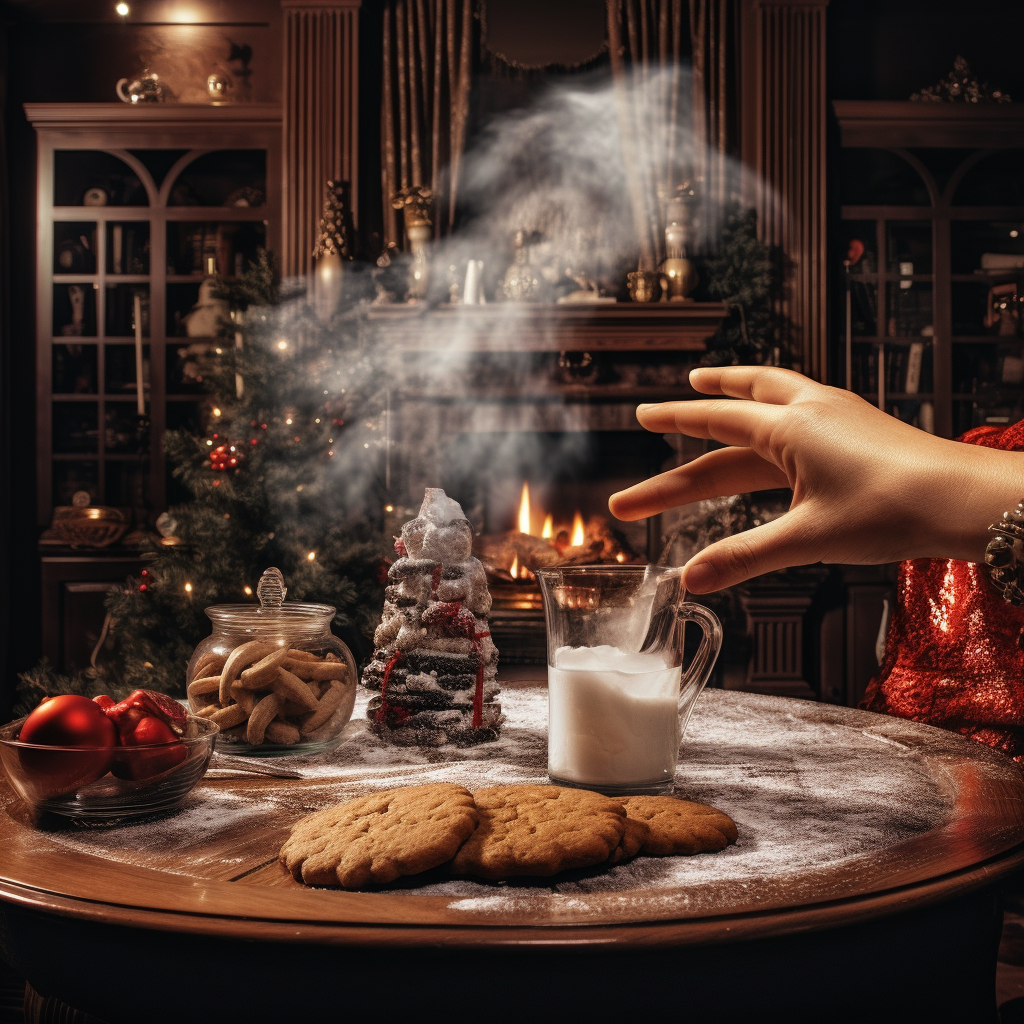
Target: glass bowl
80 782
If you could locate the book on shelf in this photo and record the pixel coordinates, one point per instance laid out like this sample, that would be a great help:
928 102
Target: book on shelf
915 357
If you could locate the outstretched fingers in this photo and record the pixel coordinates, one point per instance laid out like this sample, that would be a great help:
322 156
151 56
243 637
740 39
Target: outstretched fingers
747 424
770 384
726 471
776 545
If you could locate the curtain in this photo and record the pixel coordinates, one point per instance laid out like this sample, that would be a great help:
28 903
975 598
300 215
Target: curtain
425 103
675 124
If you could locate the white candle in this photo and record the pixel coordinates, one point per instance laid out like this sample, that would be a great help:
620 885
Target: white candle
140 398
613 717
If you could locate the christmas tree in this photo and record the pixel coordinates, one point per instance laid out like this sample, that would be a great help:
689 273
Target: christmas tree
285 474
746 274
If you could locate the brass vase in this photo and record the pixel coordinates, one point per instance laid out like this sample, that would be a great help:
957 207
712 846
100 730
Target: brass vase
679 278
644 285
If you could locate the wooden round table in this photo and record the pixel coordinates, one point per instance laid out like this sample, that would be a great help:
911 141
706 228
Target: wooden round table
194 916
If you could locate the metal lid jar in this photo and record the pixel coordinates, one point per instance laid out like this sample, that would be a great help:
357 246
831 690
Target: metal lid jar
273 676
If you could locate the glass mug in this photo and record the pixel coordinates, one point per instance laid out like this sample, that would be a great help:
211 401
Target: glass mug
618 697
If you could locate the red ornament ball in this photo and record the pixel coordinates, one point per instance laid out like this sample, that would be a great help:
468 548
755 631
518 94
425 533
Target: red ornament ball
224 458
74 722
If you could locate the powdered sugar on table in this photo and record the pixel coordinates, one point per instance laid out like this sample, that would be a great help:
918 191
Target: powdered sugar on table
808 785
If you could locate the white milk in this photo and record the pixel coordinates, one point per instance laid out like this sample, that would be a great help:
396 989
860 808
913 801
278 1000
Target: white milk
613 717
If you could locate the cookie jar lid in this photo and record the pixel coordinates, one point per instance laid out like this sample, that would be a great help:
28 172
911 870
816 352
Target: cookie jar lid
273 616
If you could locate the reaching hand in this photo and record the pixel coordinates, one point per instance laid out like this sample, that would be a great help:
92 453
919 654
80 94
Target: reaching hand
867 488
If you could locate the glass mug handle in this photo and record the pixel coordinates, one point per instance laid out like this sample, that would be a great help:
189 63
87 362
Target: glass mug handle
696 676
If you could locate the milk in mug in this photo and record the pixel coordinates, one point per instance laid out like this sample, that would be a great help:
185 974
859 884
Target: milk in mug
613 717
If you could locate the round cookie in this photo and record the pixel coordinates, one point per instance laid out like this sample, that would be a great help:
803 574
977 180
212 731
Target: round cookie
375 839
680 826
632 841
539 830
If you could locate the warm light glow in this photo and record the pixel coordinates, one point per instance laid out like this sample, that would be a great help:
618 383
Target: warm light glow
185 15
188 588
282 345
216 412
289 421
548 530
312 556
122 9
578 536
389 508
524 510
514 568
1014 233
248 591
620 557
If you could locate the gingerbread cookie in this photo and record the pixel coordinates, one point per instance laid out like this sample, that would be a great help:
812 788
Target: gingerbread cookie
539 830
375 839
632 841
680 826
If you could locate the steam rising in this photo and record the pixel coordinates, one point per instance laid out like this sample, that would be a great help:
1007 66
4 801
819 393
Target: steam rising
556 171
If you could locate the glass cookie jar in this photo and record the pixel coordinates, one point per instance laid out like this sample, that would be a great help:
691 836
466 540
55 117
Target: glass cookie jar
273 676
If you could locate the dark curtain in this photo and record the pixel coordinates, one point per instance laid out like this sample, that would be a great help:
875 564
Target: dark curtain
676 123
428 47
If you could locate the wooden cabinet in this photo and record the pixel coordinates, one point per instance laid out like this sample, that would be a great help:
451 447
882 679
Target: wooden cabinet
136 205
932 224
132 202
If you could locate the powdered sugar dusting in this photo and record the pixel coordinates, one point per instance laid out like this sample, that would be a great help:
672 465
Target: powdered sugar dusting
808 786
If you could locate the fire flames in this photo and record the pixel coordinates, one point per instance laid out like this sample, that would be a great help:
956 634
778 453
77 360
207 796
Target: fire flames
577 543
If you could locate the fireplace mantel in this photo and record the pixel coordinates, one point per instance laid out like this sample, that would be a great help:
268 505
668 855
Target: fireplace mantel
541 327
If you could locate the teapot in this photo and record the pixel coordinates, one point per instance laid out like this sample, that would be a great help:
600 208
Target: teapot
147 88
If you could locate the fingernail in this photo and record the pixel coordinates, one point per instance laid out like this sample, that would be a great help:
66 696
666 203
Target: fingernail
701 578
644 405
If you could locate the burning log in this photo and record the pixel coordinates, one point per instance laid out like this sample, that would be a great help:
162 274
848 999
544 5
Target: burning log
517 556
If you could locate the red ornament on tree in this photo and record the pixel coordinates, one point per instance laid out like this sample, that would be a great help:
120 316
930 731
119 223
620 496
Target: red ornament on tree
225 457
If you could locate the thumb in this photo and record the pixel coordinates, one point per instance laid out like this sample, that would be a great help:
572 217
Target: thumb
776 545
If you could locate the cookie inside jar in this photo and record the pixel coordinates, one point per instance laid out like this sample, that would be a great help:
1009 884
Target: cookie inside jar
273 676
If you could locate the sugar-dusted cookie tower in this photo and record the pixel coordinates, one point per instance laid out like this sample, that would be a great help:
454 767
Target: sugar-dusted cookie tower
435 663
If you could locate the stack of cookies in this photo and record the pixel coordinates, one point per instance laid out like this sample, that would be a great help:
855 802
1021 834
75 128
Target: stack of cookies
435 663
497 833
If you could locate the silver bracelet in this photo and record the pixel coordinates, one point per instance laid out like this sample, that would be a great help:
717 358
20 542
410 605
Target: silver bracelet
1004 555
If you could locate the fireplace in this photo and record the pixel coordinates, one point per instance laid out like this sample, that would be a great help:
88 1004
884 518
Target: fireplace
526 414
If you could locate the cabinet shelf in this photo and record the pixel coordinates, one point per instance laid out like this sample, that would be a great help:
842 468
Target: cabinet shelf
943 206
85 366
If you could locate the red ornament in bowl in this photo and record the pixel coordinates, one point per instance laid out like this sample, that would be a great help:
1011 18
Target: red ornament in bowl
148 719
85 736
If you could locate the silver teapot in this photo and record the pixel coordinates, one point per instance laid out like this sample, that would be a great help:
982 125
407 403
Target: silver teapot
147 88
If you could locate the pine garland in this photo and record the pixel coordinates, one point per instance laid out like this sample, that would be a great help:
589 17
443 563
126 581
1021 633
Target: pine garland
302 493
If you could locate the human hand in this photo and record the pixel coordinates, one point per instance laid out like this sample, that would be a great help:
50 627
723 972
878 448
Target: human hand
867 488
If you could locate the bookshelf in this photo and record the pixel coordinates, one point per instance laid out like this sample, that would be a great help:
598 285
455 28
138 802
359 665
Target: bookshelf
135 204
931 225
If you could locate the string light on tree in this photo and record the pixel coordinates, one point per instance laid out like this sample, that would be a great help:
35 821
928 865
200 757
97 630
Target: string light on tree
244 510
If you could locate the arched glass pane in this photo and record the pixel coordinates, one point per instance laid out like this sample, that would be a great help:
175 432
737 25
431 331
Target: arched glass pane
235 177
85 177
996 180
877 177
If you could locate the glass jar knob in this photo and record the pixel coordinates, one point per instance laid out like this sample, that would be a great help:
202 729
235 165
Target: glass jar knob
271 589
